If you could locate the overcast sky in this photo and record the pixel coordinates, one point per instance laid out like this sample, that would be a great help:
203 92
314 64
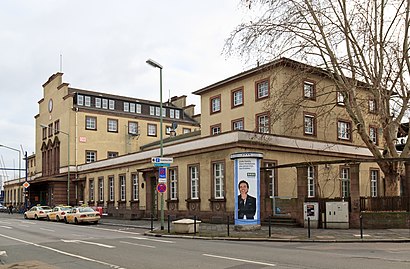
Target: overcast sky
104 45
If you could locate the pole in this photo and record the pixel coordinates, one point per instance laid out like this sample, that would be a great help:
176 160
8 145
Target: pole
68 168
25 189
161 142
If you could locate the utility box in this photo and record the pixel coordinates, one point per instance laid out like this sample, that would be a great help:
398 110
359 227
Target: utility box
311 214
337 215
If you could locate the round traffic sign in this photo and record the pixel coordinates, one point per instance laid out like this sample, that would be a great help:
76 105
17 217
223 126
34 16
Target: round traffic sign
161 187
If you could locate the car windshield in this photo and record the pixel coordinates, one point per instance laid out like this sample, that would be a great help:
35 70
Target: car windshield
65 208
44 208
86 209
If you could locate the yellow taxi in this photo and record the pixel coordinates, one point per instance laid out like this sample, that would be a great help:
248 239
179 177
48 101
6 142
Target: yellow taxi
37 212
58 212
82 214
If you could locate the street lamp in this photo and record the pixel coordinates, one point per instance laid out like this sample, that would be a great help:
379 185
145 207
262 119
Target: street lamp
4 146
157 65
68 159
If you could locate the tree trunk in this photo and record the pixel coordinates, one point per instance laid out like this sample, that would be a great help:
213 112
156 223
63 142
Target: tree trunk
391 183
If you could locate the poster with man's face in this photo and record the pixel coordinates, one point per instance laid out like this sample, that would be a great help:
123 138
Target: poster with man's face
246 175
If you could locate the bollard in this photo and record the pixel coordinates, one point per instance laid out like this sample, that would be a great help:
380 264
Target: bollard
152 222
270 222
169 224
308 227
228 224
194 224
361 226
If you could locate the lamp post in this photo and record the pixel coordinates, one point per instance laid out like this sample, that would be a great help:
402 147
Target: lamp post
157 65
68 160
4 146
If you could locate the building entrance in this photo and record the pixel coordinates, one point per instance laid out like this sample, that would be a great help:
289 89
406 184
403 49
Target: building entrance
152 196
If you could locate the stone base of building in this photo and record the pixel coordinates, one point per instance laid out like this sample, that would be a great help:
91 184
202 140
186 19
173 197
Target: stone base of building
246 228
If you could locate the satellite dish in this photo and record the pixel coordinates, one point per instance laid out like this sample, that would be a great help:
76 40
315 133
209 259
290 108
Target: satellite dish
174 125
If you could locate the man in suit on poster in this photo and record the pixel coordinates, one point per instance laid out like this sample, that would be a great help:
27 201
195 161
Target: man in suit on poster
246 203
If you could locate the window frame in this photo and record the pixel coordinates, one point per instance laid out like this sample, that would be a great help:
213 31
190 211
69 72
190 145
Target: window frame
213 127
233 99
122 183
130 130
374 182
375 137
91 189
173 183
150 125
235 121
345 179
101 189
311 173
258 126
312 116
88 120
88 156
194 182
218 180
259 82
110 122
212 107
372 105
111 188
312 90
135 186
349 133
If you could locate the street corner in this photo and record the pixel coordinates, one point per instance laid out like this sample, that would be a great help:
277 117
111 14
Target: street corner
28 265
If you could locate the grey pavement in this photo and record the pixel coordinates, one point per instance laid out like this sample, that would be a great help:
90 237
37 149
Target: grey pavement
277 233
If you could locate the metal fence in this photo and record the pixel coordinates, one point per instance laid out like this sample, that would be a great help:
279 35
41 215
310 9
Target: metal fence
387 203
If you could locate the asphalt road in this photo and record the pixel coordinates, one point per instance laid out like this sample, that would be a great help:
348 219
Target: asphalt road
101 246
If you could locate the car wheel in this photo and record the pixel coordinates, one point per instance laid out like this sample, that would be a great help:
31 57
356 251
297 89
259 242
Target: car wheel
95 222
65 220
58 218
48 218
25 216
76 221
36 217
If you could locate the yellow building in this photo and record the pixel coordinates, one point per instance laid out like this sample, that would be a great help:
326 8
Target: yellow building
275 109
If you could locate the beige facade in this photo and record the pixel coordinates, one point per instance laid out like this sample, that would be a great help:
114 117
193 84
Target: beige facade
273 109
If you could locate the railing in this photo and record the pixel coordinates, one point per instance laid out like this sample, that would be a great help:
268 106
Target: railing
388 203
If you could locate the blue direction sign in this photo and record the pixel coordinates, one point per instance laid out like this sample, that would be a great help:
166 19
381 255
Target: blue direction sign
161 187
162 164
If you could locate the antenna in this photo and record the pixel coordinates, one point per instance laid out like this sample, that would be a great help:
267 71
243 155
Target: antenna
61 62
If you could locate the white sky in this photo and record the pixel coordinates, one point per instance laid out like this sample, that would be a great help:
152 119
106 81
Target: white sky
105 45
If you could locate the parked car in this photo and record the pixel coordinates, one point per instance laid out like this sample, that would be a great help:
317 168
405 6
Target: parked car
58 212
82 214
3 208
37 212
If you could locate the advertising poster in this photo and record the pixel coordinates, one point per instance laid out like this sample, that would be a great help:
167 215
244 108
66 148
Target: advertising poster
247 191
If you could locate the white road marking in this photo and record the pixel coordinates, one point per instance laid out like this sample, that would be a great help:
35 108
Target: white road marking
156 240
27 222
86 242
63 252
357 235
7 227
5 222
117 231
22 225
135 244
48 230
240 260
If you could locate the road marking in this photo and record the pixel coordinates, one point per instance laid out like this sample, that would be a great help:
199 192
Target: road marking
156 240
48 230
22 225
117 231
64 253
7 227
135 244
240 260
358 235
5 222
86 242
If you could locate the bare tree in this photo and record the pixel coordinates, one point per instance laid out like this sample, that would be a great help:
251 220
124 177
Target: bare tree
361 44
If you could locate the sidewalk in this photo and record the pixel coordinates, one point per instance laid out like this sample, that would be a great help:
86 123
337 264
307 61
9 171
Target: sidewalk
278 233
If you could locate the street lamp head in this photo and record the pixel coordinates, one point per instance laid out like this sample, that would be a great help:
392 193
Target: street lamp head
154 63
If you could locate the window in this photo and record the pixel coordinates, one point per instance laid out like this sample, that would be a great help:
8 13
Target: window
50 130
374 179
172 113
310 124
157 109
194 181
101 189
164 112
237 124
343 130
80 100
262 89
216 129
44 132
122 187
309 90
112 154
186 130
152 110
87 101
173 183
132 128
237 97
112 125
134 186
90 156
218 180
177 114
139 108
262 121
345 178
152 129
215 104
372 106
105 103
311 181
132 108
340 99
111 188
126 106
373 135
90 123
168 130
91 190
56 126
111 104
98 102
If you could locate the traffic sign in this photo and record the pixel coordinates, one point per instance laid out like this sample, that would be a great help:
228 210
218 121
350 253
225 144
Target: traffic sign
162 164
162 172
161 187
162 160
26 184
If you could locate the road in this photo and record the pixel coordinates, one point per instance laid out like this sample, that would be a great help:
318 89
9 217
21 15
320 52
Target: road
101 246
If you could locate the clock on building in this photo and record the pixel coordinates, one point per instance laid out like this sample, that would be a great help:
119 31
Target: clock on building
50 105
